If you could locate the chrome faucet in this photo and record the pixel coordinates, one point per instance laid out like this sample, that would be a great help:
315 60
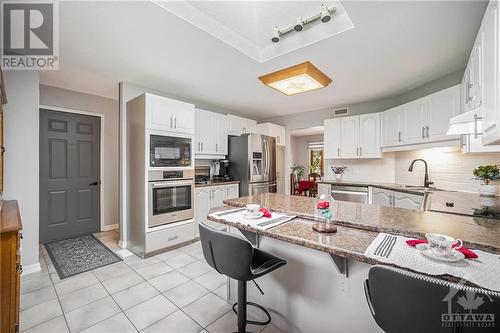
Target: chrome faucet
426 177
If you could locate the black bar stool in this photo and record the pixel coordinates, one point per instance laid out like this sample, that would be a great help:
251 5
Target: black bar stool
236 258
403 301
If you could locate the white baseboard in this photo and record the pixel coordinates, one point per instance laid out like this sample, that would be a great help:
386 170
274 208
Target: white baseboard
122 244
110 227
29 269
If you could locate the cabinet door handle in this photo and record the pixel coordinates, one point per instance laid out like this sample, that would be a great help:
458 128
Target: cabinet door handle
217 147
175 122
427 131
476 133
338 151
423 132
399 136
170 122
202 146
360 151
470 97
357 151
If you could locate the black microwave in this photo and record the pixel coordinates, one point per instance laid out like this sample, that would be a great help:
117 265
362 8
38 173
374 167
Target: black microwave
169 151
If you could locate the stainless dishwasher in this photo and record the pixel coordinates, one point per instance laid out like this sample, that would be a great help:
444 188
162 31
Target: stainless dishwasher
357 194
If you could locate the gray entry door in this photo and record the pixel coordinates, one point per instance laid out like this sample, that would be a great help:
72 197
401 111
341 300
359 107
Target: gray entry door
69 175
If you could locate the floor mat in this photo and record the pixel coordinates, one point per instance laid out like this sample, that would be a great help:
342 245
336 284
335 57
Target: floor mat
79 254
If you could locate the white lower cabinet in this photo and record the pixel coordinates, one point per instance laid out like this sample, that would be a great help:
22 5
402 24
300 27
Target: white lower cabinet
383 197
208 197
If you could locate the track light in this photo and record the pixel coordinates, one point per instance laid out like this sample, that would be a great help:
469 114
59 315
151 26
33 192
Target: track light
299 25
325 16
325 13
276 35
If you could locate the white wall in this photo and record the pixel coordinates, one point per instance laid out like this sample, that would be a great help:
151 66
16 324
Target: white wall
448 168
21 127
62 98
380 170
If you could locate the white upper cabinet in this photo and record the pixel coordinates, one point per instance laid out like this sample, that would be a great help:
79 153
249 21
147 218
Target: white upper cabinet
490 111
331 137
239 125
211 134
349 137
392 127
273 130
369 136
422 121
414 121
441 106
352 137
166 114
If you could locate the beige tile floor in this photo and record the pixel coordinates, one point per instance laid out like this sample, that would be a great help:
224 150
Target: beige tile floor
175 291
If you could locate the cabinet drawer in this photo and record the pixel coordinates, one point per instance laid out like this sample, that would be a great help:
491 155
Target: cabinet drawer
169 237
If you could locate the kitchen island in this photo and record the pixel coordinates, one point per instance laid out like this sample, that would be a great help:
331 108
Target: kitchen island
321 287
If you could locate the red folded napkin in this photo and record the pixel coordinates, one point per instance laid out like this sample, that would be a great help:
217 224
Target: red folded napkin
265 211
467 253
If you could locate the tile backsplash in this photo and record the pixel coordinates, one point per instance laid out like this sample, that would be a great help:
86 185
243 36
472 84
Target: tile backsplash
448 168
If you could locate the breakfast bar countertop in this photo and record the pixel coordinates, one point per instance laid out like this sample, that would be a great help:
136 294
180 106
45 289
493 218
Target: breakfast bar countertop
359 224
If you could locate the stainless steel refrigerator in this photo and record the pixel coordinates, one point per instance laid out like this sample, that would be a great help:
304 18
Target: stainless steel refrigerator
253 162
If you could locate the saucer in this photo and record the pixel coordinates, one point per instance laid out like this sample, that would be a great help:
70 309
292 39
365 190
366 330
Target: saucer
252 216
451 257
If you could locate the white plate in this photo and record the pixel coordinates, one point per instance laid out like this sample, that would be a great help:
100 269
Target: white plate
253 217
451 257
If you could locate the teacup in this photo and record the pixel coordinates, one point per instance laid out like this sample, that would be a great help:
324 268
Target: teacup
253 209
442 244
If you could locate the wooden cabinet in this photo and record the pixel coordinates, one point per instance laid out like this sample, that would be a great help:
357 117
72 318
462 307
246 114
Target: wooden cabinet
208 197
277 131
211 134
384 197
10 266
239 125
166 114
3 100
353 137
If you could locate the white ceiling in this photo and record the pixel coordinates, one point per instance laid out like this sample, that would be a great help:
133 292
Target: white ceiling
248 25
395 46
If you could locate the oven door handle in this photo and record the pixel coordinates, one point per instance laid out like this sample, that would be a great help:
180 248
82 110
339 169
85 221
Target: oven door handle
172 184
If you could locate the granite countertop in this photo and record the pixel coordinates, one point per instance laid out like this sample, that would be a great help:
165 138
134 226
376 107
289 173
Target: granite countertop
218 183
367 220
346 242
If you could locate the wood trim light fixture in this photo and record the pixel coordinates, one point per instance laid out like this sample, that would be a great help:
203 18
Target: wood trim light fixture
296 79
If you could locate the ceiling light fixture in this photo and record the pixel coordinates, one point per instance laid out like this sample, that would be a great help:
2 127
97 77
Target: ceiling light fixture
296 79
325 16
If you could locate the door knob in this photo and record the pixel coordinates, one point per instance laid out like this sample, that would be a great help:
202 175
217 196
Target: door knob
94 184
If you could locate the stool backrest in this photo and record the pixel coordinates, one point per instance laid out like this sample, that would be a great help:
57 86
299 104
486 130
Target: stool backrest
227 253
402 301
